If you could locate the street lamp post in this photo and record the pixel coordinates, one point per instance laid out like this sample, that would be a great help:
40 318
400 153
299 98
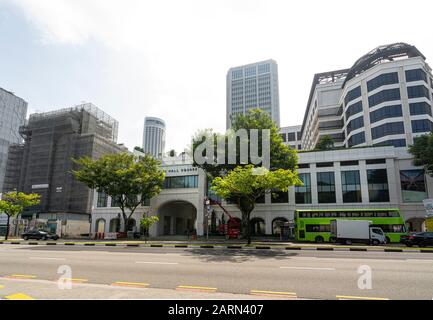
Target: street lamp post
207 218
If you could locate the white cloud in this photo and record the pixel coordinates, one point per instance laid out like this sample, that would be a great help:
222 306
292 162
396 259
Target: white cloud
169 58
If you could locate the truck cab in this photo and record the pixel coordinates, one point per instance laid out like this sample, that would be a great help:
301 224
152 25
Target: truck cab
377 236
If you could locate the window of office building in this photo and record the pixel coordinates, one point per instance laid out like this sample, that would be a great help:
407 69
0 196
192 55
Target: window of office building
352 95
418 92
250 71
236 74
413 185
383 96
354 109
355 124
284 136
264 68
303 194
375 161
383 79
378 190
420 108
423 125
356 139
280 197
349 163
387 129
415 75
397 143
181 182
326 187
386 112
102 200
351 186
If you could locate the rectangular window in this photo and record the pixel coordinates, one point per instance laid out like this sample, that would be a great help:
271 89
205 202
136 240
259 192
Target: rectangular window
423 125
303 165
326 187
102 200
397 143
356 139
324 164
420 108
352 95
351 186
383 96
418 92
387 129
355 124
349 163
280 197
378 190
386 112
383 79
413 185
284 137
354 109
181 182
115 201
318 228
291 136
303 194
375 161
415 75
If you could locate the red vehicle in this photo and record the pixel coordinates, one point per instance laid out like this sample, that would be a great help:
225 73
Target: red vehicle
232 228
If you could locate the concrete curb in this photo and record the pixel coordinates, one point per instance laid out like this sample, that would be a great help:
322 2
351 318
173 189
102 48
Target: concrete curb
220 246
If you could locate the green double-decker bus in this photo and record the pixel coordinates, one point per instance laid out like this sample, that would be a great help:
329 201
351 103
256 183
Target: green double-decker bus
315 225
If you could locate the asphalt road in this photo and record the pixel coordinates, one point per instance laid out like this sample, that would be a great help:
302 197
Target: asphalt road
191 273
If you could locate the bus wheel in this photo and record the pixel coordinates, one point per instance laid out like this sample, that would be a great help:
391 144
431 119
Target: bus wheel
375 242
319 239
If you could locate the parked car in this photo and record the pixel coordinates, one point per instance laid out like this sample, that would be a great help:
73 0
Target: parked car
421 239
39 235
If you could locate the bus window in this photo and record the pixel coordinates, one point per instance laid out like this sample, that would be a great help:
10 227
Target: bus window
342 215
382 214
393 214
367 214
355 214
318 228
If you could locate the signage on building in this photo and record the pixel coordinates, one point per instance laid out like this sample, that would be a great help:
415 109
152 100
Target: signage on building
428 205
40 186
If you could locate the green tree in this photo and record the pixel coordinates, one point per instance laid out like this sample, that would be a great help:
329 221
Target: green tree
172 153
325 143
422 151
123 177
13 203
246 185
146 222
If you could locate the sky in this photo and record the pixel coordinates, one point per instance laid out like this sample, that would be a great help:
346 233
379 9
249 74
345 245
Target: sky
169 58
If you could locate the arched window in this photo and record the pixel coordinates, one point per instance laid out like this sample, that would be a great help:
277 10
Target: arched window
115 225
257 226
100 225
277 223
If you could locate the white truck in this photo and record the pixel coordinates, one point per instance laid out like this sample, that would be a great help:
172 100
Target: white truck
349 231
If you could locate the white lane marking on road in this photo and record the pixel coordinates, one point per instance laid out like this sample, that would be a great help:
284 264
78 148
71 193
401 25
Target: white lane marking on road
155 262
419 260
308 268
46 258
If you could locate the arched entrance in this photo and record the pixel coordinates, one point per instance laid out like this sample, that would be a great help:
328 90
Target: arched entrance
257 227
177 218
277 223
115 225
100 225
131 224
415 224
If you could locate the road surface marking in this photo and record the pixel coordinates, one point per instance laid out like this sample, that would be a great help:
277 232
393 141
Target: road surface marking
273 293
19 296
152 262
359 298
196 288
308 268
42 258
130 284
75 280
21 276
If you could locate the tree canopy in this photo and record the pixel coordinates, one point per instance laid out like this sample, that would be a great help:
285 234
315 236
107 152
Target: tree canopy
124 177
14 203
422 150
325 143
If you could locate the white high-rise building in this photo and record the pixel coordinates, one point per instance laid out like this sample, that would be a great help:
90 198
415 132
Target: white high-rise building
13 111
154 137
253 86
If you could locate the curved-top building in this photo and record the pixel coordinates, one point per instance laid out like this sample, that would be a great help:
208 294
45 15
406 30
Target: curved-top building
154 137
384 99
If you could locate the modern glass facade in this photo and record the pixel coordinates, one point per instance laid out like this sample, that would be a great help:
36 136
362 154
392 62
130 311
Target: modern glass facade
181 182
378 189
351 186
326 187
413 186
303 194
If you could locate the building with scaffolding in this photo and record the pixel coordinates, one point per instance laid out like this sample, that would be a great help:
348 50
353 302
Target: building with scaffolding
13 111
43 163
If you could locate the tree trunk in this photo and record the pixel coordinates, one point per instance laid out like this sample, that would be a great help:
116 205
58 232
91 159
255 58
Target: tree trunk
246 207
7 228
